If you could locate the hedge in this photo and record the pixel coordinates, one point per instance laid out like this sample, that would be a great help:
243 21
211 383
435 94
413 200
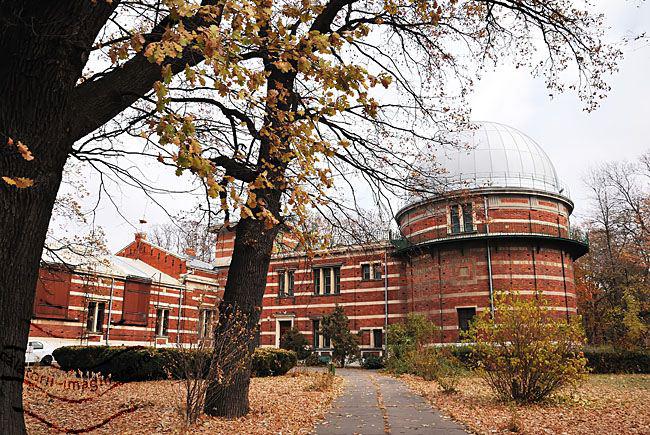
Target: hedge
600 360
273 362
604 360
138 363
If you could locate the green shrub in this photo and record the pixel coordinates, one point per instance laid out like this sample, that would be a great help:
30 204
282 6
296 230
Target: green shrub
122 364
137 363
524 352
406 339
345 345
464 355
437 364
373 362
297 342
314 360
604 360
272 362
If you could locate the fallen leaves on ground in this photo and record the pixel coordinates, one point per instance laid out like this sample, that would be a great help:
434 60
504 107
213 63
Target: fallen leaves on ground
607 404
285 404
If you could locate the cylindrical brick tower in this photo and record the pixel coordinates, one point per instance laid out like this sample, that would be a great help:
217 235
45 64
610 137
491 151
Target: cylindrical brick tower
502 225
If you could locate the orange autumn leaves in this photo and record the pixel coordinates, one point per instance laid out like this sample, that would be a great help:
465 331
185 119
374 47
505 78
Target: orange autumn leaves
19 182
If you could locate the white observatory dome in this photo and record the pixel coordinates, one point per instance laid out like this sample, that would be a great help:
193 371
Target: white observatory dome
495 155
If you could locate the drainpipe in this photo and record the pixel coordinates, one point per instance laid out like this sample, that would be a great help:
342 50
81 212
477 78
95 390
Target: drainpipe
489 256
566 299
110 311
386 301
180 314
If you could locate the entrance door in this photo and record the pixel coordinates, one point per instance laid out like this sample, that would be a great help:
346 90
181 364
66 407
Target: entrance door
285 326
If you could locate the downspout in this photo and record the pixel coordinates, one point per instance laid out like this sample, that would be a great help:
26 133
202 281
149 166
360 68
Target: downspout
110 311
442 325
180 313
385 302
489 256
566 300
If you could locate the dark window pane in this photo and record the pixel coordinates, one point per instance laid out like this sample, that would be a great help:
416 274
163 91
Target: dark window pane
465 316
317 281
316 328
468 219
455 219
281 283
158 320
90 320
100 317
165 322
328 280
377 271
378 337
365 272
291 282
337 280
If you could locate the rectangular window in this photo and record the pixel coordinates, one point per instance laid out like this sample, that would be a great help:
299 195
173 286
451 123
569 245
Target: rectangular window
337 280
454 219
468 218
316 281
465 316
365 272
377 338
291 282
162 322
321 341
376 271
95 318
330 278
316 332
285 326
326 342
206 321
281 283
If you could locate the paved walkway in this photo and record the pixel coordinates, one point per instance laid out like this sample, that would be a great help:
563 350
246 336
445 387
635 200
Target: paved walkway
376 404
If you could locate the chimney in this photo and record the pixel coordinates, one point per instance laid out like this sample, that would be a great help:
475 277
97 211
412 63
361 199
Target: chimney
140 236
191 252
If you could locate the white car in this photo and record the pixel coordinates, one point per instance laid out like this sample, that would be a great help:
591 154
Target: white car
39 352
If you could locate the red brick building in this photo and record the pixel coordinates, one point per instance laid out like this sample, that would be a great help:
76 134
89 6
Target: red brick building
502 224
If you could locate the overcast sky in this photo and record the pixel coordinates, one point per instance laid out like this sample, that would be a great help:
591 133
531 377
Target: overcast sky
573 139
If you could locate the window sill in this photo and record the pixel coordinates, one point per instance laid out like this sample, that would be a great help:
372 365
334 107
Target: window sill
326 294
372 280
458 233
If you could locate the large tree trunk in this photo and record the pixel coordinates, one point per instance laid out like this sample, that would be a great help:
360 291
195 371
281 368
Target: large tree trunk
42 47
244 293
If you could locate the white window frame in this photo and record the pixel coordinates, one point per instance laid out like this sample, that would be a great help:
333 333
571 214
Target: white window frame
277 327
363 276
461 220
373 267
373 345
160 327
94 329
286 282
332 278
202 321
